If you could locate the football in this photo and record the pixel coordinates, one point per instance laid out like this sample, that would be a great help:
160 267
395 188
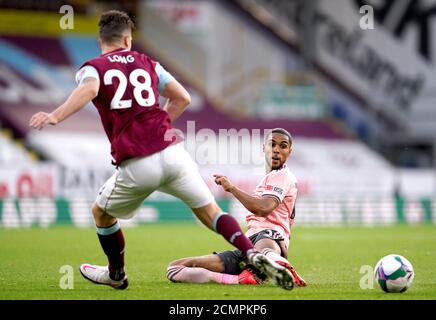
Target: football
394 273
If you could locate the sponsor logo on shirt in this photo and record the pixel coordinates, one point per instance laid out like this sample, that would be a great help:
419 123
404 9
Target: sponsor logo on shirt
278 190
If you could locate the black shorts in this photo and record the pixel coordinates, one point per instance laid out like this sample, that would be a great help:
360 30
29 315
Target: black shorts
232 259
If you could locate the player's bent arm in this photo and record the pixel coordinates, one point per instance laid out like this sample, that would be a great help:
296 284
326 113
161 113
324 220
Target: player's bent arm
178 99
259 206
84 93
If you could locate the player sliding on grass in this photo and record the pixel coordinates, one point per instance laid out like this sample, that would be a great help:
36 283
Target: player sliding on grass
271 215
124 86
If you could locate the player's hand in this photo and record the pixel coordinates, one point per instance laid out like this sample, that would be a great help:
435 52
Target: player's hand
41 119
224 182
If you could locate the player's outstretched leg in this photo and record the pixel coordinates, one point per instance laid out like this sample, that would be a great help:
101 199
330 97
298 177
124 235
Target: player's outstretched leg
112 242
280 275
229 228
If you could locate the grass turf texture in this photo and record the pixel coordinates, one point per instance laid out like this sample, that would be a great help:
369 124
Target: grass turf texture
328 258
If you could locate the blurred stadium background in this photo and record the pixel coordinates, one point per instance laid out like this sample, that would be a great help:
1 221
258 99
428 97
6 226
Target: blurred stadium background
359 103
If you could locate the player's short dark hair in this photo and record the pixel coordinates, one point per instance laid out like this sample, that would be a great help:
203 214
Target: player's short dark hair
112 24
281 131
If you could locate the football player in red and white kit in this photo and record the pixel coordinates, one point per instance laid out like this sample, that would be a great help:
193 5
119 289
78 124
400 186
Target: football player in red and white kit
124 86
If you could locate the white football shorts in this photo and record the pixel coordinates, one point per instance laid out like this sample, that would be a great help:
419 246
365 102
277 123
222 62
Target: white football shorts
171 171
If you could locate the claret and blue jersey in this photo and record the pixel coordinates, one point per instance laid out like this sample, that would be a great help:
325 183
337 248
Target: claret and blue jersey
128 102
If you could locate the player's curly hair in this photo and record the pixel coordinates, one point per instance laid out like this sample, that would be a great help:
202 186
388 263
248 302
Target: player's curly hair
112 24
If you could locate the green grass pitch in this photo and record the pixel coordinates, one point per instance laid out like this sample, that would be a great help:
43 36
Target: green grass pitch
329 259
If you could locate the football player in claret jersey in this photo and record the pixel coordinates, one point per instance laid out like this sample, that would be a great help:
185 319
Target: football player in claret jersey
124 86
271 212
